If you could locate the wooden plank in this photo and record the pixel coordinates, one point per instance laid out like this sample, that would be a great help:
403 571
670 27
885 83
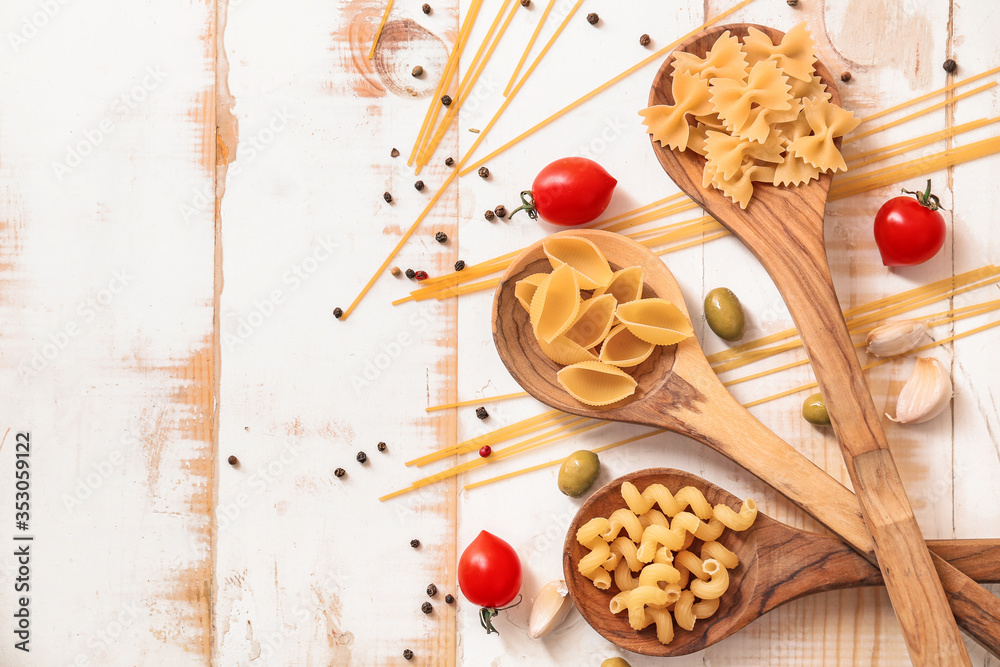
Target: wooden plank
107 306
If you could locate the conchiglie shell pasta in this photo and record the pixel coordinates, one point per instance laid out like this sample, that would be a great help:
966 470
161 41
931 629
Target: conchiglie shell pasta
623 349
525 288
625 285
596 383
594 321
564 351
555 304
655 321
587 261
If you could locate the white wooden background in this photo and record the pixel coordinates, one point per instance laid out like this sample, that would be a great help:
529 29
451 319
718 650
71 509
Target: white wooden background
187 190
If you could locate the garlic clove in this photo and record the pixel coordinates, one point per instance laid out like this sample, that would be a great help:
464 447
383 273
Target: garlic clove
894 338
549 609
925 395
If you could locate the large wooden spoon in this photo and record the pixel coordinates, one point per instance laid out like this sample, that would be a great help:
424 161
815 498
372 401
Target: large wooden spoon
783 227
679 391
778 564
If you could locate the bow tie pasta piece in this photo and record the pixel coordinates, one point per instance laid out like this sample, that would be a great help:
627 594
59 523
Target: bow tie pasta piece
698 138
760 125
739 188
765 87
555 304
727 153
623 349
655 321
794 171
795 56
525 289
725 59
596 383
625 285
594 321
583 257
828 121
667 123
566 352
811 89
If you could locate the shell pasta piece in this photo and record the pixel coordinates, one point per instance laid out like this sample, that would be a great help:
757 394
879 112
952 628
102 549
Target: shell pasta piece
625 285
585 258
624 349
564 351
594 321
655 321
525 288
555 304
596 383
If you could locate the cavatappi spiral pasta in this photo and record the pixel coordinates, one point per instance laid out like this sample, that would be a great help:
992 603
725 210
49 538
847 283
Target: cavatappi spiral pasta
647 551
579 332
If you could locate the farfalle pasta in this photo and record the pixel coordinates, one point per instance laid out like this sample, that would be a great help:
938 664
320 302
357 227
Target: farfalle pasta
770 118
660 579
594 322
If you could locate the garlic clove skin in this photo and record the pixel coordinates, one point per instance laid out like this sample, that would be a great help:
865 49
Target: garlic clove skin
893 338
549 609
926 394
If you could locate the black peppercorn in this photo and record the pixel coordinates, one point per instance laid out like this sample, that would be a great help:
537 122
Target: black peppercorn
449 598
484 172
408 654
420 275
446 100
441 237
525 3
339 472
845 77
387 197
417 71
362 457
380 446
793 3
338 313
593 18
490 215
419 185
448 161
481 413
426 608
460 265
949 65
410 273
644 40
432 590
394 153
426 8
414 543
233 460
501 211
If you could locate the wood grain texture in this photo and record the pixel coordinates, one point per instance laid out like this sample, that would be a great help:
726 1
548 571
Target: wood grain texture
778 564
783 227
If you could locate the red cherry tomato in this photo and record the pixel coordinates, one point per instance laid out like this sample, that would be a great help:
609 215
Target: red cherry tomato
571 191
908 230
489 573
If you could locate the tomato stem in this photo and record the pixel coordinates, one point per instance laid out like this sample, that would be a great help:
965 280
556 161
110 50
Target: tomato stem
487 614
527 204
926 198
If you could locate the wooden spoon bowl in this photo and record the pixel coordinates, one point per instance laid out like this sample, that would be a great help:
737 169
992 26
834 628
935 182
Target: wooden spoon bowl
778 564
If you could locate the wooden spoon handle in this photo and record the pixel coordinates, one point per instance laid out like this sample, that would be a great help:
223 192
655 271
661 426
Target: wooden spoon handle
803 278
734 432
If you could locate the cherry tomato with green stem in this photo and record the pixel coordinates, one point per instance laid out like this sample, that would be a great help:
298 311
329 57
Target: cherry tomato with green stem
489 574
570 191
910 230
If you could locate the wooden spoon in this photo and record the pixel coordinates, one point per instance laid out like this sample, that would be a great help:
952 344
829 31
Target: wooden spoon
778 564
679 391
783 227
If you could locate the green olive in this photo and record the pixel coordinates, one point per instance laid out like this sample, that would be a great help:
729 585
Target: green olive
578 473
725 314
814 410
615 662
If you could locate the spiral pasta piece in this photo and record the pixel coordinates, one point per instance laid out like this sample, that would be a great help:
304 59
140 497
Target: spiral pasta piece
738 521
